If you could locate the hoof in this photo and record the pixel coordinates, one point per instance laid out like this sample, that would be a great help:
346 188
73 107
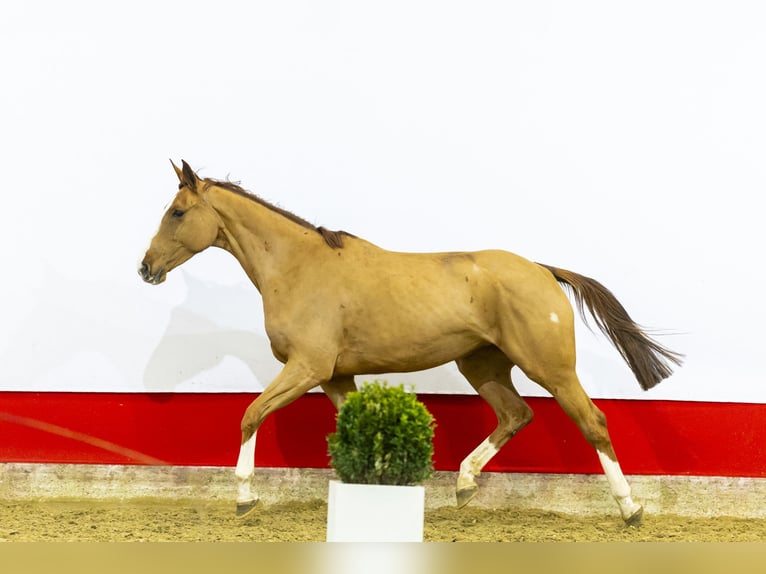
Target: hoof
466 495
635 518
245 508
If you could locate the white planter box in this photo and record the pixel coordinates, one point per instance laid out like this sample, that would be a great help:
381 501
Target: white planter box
374 513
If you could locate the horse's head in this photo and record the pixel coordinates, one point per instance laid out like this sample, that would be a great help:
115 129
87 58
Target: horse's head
189 226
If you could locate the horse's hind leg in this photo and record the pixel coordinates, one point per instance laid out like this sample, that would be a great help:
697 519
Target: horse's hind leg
541 342
489 372
592 423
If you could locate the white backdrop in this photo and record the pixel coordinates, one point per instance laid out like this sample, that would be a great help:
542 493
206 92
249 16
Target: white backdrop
625 141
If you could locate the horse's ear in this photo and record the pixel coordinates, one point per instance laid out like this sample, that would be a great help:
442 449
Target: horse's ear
186 175
178 171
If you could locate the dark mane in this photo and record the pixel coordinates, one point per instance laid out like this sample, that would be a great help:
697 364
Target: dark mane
333 238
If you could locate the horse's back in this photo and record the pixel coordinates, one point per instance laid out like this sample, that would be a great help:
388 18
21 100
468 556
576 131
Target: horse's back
486 273
472 287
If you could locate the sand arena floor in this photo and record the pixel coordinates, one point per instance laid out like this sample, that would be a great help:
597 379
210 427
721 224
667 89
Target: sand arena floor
103 503
305 521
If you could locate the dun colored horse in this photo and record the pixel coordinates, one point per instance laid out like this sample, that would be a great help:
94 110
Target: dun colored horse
336 306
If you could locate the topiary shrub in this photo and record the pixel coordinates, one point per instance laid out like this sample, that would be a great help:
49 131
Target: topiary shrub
384 435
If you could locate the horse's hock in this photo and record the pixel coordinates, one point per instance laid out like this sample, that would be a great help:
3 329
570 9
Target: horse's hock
580 494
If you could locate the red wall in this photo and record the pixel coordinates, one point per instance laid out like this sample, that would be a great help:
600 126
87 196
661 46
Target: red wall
650 437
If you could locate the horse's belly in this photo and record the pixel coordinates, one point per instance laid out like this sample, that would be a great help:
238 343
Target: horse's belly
405 355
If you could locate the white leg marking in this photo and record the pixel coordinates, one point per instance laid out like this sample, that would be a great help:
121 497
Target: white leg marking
471 466
618 485
554 317
244 471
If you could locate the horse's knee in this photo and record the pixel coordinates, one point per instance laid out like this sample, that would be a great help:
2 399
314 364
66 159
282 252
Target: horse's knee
251 420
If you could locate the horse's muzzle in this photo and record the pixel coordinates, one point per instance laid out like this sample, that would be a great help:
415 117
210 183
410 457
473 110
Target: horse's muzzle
154 278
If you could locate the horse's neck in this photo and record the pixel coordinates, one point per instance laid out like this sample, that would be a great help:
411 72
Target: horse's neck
262 240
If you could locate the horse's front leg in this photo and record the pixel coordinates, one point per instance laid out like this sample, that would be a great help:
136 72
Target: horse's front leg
338 388
294 381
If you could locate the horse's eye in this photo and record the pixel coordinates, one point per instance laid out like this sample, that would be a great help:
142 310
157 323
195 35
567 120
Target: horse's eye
177 213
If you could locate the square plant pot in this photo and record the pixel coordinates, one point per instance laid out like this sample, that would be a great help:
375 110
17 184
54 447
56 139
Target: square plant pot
375 513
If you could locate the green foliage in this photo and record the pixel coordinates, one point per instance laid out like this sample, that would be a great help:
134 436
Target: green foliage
384 435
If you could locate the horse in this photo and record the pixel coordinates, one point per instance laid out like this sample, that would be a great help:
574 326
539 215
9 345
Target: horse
336 306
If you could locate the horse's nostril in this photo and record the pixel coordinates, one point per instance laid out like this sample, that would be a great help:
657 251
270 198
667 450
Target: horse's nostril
143 271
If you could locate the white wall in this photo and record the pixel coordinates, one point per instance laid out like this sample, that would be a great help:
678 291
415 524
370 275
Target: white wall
625 141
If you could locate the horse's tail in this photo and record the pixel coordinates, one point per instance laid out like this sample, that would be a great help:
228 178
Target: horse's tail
646 357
